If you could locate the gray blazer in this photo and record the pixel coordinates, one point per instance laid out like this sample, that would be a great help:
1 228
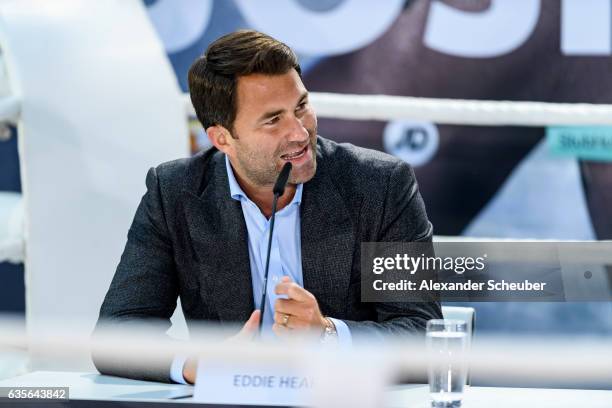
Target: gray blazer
189 239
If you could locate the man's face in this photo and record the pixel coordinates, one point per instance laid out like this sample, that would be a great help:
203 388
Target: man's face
274 124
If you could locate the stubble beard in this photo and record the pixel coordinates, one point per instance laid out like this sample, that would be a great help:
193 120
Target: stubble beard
265 175
312 166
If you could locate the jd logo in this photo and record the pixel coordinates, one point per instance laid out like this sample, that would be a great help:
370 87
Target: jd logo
414 138
413 142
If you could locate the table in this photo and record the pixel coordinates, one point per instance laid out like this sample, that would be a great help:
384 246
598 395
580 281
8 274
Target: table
481 397
96 387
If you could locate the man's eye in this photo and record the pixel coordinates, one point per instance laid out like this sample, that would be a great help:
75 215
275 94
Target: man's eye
302 106
272 121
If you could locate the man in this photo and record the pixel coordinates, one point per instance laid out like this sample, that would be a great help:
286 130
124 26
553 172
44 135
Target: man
202 228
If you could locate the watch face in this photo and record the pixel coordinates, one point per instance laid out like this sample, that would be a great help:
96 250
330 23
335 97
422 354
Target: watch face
329 334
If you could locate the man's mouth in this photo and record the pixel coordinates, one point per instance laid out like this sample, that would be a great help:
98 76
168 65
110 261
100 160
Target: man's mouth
295 155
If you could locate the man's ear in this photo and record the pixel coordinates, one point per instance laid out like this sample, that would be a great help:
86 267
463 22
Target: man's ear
220 137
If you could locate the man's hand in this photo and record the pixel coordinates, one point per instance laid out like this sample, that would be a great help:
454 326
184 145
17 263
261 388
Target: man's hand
247 332
300 312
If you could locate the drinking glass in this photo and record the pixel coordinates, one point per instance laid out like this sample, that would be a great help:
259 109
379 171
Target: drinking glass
447 370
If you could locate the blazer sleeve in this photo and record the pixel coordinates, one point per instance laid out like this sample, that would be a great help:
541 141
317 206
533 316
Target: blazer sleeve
404 219
143 291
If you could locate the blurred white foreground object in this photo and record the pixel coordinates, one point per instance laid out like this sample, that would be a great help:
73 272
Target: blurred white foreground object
11 227
100 104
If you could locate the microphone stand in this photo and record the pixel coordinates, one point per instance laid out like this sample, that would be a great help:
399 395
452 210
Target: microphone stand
279 189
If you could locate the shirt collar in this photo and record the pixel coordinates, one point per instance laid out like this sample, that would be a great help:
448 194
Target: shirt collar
237 193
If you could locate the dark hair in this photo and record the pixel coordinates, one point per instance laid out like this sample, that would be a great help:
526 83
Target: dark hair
214 75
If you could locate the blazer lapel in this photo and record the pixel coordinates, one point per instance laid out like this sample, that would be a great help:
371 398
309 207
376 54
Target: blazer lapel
327 243
217 225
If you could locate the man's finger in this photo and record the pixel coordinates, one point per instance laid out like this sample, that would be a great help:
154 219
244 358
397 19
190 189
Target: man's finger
249 329
293 322
284 280
280 318
252 324
289 306
293 291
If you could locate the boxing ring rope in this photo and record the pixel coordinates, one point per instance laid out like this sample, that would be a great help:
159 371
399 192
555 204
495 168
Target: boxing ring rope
454 111
440 111
589 367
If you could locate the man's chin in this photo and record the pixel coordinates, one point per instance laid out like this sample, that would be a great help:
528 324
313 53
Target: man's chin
303 175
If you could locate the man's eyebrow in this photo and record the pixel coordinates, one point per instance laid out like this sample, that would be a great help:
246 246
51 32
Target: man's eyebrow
271 114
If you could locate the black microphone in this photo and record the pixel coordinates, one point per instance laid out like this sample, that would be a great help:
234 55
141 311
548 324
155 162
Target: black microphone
278 190
281 181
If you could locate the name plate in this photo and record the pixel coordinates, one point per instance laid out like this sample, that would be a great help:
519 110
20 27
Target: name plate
218 383
582 142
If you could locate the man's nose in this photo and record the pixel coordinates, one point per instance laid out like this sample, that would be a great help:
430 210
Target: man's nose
297 132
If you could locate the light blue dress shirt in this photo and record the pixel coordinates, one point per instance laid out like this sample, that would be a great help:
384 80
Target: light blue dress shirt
285 258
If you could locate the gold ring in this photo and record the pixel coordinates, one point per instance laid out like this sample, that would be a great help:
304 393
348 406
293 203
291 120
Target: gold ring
285 319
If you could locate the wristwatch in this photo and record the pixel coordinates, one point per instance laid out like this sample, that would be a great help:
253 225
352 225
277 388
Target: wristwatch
329 335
